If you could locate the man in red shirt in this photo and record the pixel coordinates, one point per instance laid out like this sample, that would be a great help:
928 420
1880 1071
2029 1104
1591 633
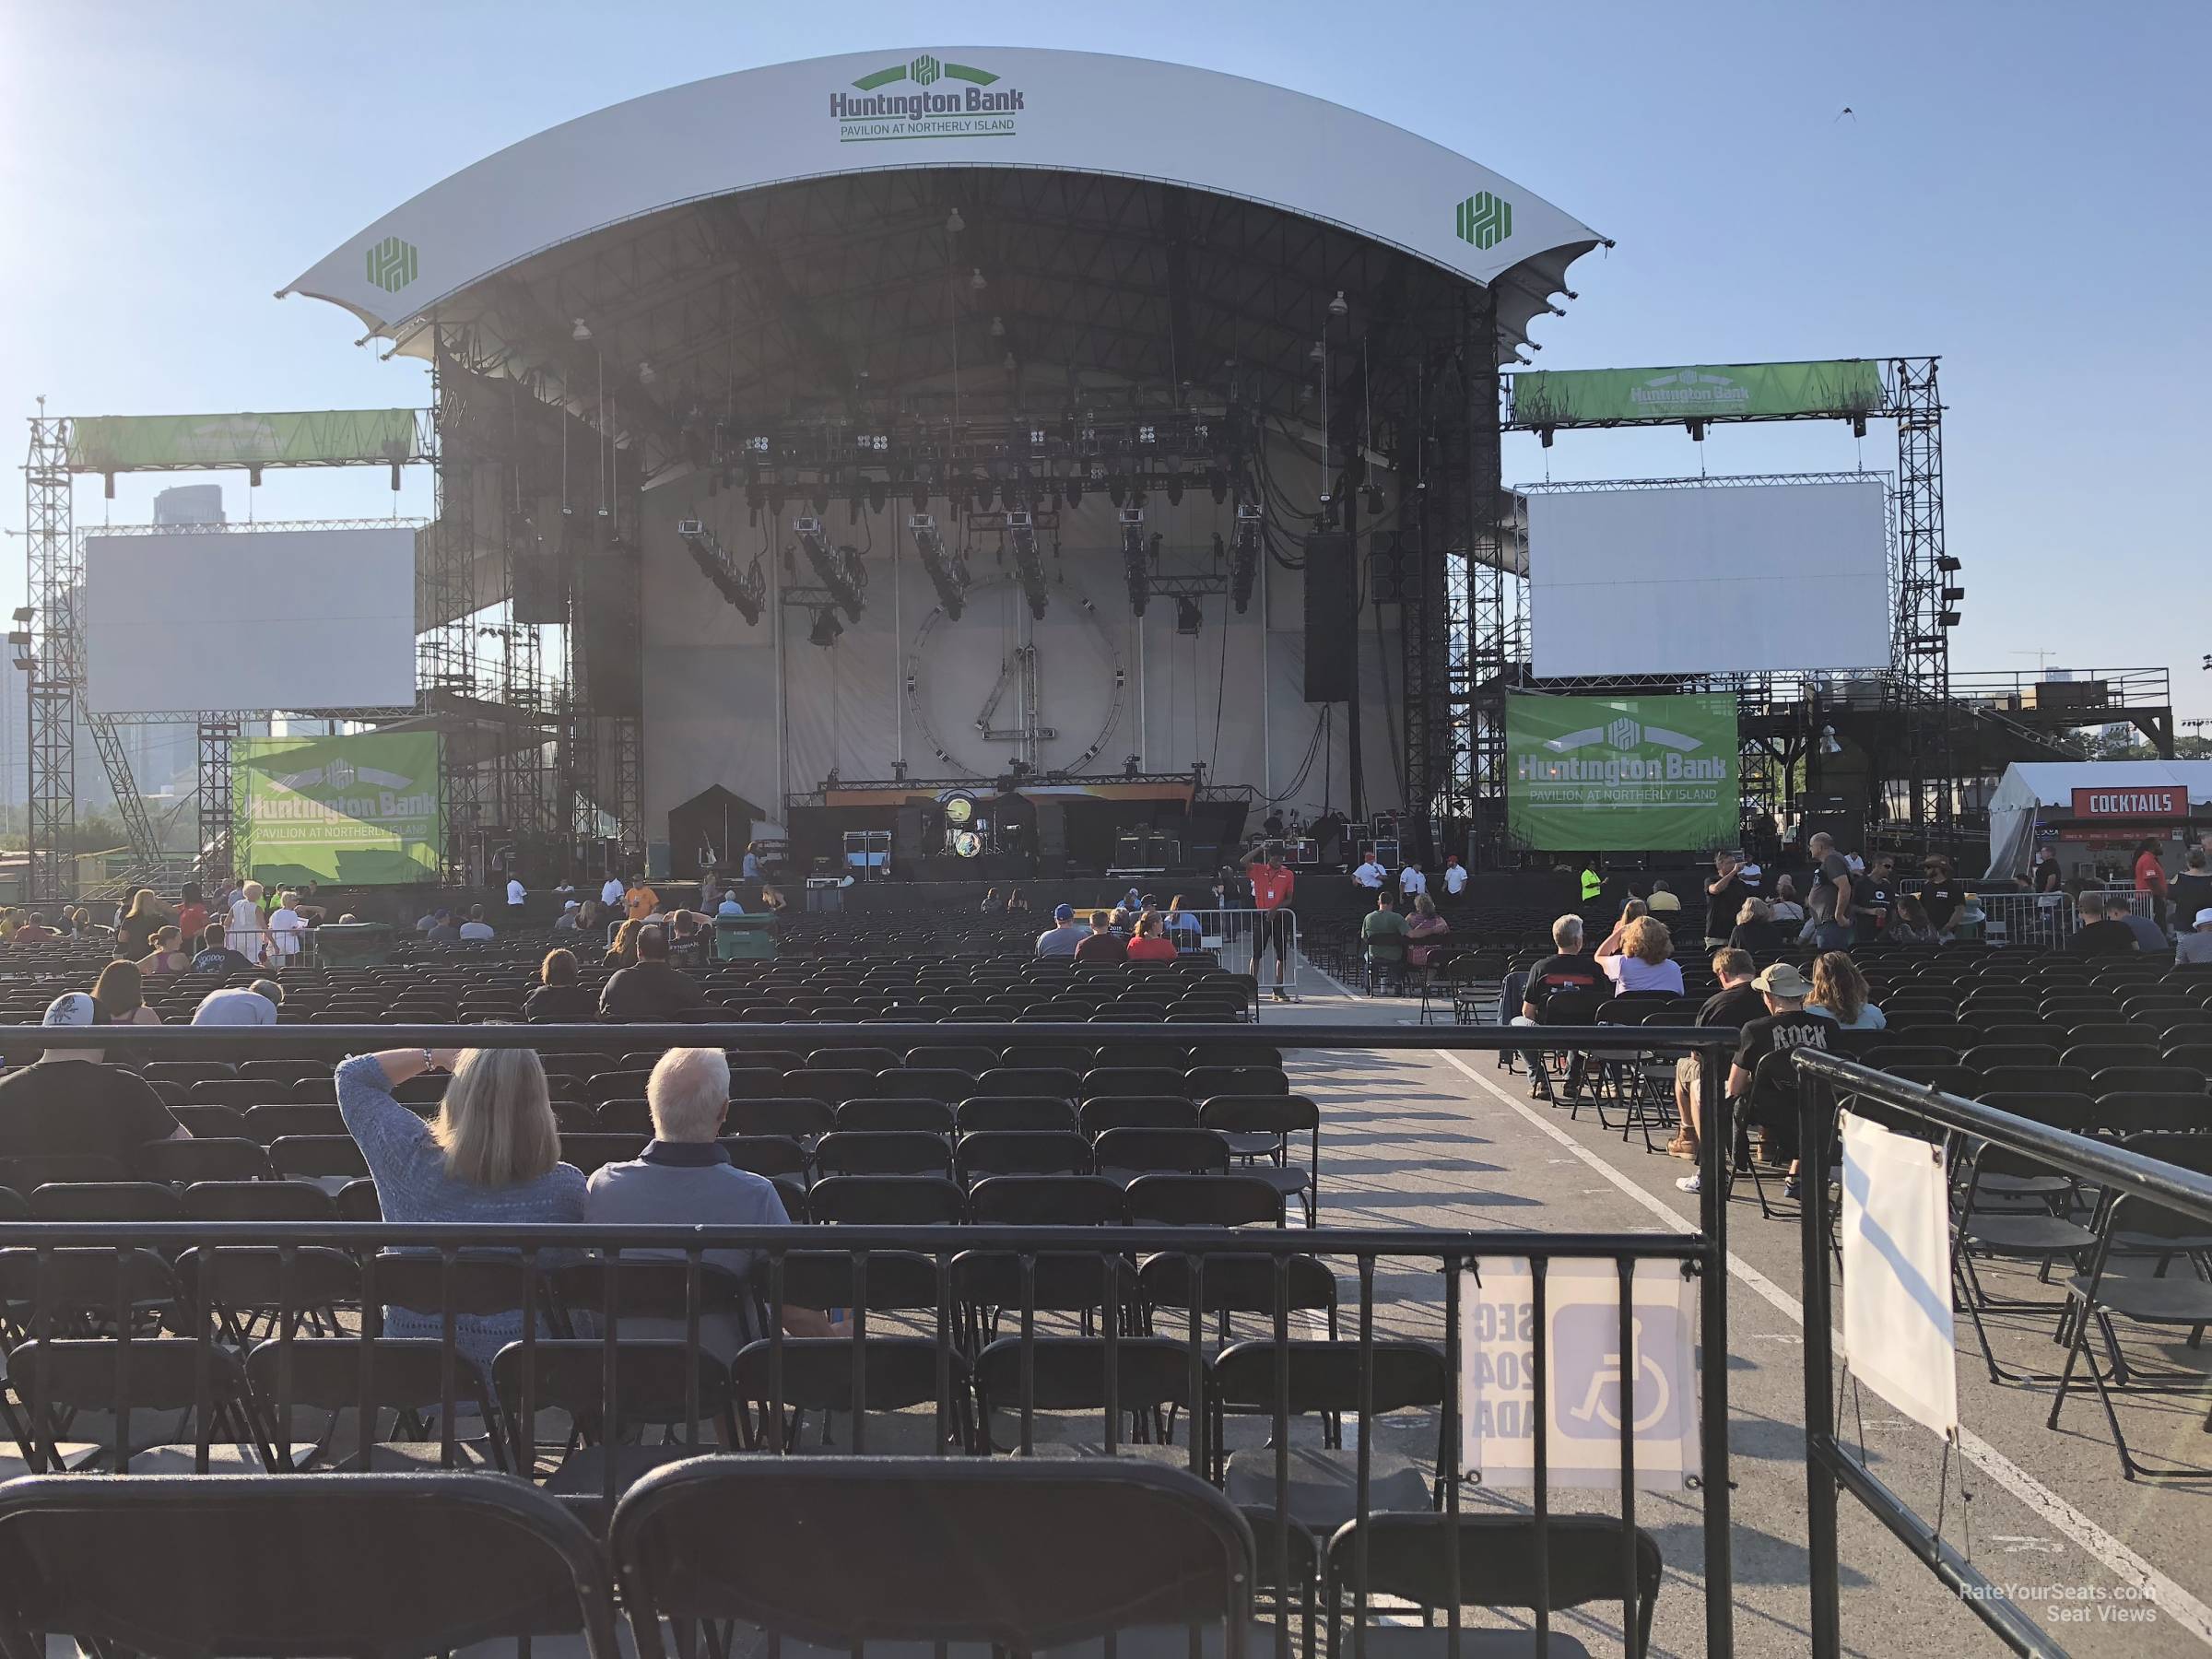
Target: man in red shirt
2150 877
1272 880
1104 945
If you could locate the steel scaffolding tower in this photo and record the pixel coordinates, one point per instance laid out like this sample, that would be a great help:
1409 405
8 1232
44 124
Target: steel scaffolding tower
1920 642
55 580
446 661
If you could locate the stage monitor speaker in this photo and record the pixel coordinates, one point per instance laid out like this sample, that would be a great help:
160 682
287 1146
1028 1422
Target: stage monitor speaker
907 851
540 595
1052 837
1832 816
614 659
1332 618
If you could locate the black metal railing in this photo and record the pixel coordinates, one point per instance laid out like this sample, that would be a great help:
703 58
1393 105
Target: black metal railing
264 1353
2108 1165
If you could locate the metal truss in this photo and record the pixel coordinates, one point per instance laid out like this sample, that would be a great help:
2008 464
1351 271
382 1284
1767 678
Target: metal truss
445 653
218 733
57 580
1927 586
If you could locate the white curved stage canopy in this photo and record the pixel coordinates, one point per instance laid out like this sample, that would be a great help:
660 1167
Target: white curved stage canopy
954 106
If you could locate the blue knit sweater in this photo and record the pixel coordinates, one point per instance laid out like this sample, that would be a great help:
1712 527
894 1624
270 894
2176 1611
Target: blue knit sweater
412 1185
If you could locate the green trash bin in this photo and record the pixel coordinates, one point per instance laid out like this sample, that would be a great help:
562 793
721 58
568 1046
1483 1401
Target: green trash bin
354 943
749 938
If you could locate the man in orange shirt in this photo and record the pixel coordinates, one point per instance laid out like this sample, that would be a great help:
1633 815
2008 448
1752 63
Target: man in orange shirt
1272 881
640 901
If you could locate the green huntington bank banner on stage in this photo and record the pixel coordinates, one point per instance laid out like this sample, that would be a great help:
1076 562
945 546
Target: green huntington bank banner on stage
310 438
359 809
1702 392
1622 774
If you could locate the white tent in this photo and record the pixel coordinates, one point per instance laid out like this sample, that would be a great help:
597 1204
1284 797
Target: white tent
2028 791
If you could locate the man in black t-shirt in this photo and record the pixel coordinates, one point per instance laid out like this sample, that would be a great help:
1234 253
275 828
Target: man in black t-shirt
1873 894
652 989
1942 895
1828 900
1784 1028
1735 1002
1556 985
2099 934
1572 970
1724 896
70 1105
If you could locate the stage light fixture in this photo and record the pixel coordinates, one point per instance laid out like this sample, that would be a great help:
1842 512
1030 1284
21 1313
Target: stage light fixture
953 223
975 280
20 639
1136 566
1028 564
1946 564
1244 555
1189 618
1952 595
747 593
1829 745
837 569
947 571
1858 426
999 328
1318 353
825 629
23 613
1949 620
647 373
1336 306
582 331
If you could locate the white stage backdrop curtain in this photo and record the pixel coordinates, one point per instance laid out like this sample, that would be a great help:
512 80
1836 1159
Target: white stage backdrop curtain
1229 696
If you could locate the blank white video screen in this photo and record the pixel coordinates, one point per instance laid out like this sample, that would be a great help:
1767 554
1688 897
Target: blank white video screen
249 619
1727 578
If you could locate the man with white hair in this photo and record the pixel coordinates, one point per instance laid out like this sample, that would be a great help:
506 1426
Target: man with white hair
83 1108
684 1178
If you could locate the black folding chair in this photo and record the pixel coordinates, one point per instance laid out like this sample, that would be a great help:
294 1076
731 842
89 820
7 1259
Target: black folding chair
1409 1558
371 1563
1022 1553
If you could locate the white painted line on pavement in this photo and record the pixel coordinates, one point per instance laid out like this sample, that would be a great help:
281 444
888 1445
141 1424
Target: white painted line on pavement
2186 1611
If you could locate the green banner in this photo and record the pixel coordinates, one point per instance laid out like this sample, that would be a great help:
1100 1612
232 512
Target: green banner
1700 391
102 444
1622 774
360 810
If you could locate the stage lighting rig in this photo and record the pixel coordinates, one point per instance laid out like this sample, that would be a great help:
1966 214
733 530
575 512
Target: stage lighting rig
837 569
1029 565
947 570
826 628
748 591
1136 563
1244 555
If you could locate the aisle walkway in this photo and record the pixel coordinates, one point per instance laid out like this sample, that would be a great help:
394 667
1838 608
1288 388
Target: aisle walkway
1420 1137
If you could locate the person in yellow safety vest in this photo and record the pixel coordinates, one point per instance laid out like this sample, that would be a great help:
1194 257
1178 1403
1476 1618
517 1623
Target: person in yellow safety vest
1592 886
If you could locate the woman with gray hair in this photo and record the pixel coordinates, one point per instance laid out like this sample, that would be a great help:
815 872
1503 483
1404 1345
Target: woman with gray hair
491 1154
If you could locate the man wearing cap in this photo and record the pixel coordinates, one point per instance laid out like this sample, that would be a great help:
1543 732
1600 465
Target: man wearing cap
1273 882
1786 1026
71 1104
2196 946
1061 937
566 921
253 1005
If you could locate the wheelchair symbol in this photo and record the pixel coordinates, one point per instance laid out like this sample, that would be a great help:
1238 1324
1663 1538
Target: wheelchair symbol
1651 1386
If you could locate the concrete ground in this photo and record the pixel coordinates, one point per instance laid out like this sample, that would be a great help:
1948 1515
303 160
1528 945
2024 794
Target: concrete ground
1419 1138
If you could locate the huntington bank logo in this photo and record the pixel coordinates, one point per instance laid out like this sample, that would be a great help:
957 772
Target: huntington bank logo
923 106
1485 219
391 264
1690 391
1678 762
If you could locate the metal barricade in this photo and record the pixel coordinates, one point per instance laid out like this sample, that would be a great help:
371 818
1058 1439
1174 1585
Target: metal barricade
2047 921
2103 1165
940 1296
1244 940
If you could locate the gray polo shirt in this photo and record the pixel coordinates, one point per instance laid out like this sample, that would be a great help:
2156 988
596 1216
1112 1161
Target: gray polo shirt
1061 940
683 1184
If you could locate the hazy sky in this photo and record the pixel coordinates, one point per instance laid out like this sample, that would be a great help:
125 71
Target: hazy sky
2022 189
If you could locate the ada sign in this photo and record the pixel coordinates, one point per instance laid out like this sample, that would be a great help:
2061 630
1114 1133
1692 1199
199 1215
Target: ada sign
1496 1383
